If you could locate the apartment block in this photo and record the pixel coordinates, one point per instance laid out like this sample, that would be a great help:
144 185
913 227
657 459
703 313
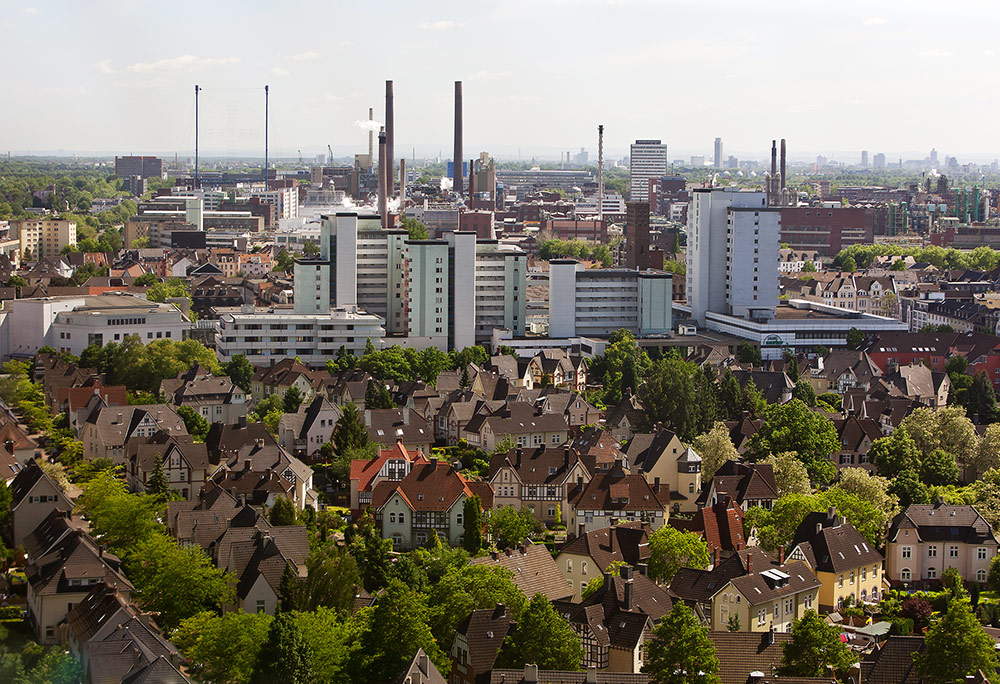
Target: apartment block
648 159
596 302
39 238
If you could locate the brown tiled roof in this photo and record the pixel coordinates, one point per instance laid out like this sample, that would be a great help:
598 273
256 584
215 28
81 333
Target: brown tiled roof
365 471
606 614
721 525
503 676
891 662
597 448
698 586
758 588
518 418
835 544
386 426
75 556
484 631
742 482
538 466
431 486
628 542
944 522
56 525
741 653
273 551
617 491
534 570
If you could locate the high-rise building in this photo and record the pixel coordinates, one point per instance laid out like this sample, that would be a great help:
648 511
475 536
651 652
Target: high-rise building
144 167
40 238
878 162
864 158
637 235
449 293
934 157
718 153
648 159
732 254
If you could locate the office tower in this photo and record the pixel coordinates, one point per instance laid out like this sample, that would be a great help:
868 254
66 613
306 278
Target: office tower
648 159
878 161
144 167
864 158
934 157
718 153
732 254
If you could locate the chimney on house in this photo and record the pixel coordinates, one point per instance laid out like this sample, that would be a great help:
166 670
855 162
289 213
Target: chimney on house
530 674
242 422
781 555
656 485
750 563
565 456
608 579
643 569
406 416
591 676
628 593
517 457
247 463
715 557
500 611
368 418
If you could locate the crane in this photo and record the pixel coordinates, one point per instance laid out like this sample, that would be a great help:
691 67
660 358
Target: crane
331 154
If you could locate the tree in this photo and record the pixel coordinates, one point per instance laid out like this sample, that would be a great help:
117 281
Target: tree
916 609
680 651
854 338
715 448
676 394
350 432
729 396
804 392
284 658
172 288
993 579
945 428
222 648
894 454
542 637
956 646
748 354
117 518
871 488
176 581
671 549
291 399
416 229
790 475
734 623
621 366
195 424
398 627
378 396
793 427
282 512
240 371
472 524
332 642
980 400
815 649
464 589
906 485
508 526
939 468
332 580
464 382
371 552
808 267
157 484
288 589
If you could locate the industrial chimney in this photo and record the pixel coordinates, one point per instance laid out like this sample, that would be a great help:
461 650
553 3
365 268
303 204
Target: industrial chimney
600 174
371 139
783 177
383 173
456 175
402 185
772 200
390 139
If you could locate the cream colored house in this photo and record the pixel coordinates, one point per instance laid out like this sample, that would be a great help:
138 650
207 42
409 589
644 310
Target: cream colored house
34 495
927 539
539 479
661 457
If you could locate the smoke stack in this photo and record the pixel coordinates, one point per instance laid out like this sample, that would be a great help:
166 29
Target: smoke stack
472 184
371 139
783 165
456 175
382 173
600 173
402 185
389 140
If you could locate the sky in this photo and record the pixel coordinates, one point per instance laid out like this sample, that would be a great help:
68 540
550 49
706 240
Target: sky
118 76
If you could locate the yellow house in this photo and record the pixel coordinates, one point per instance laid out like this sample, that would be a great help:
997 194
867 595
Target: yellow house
661 457
847 566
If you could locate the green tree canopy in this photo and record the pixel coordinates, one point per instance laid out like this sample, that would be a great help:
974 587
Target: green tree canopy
508 526
671 549
793 427
680 651
465 589
285 657
282 512
956 646
815 649
222 649
240 371
541 637
715 448
472 522
195 424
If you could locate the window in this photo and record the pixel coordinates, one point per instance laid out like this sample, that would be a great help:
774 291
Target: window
569 565
401 518
261 605
981 553
852 577
583 567
808 602
906 551
953 552
932 551
392 518
931 573
864 574
777 610
840 581
762 616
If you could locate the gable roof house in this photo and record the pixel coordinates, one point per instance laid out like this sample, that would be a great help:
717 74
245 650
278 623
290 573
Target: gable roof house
521 422
388 464
303 433
281 377
429 499
533 568
108 428
63 575
749 484
184 462
615 621
617 496
589 554
215 398
720 525
477 642
388 426
34 495
259 563
660 456
539 479
625 418
257 473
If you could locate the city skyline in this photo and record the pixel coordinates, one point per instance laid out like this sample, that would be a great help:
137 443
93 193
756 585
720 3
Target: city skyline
745 74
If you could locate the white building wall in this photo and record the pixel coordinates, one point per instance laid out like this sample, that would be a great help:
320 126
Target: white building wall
562 297
312 287
655 304
752 259
648 160
462 288
427 281
345 259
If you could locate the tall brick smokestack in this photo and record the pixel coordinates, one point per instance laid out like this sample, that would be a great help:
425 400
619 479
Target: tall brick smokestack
384 173
783 177
390 140
456 175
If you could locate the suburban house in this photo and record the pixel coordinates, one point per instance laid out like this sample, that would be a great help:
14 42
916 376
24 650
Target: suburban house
184 462
34 495
754 657
660 456
215 398
303 433
477 642
539 479
557 368
617 496
748 484
848 568
259 563
388 426
519 421
280 378
430 499
842 370
259 472
589 554
598 450
108 428
625 418
757 590
927 539
533 568
389 464
615 621
720 525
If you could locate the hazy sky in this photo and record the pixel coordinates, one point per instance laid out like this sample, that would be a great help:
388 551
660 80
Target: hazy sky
539 75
